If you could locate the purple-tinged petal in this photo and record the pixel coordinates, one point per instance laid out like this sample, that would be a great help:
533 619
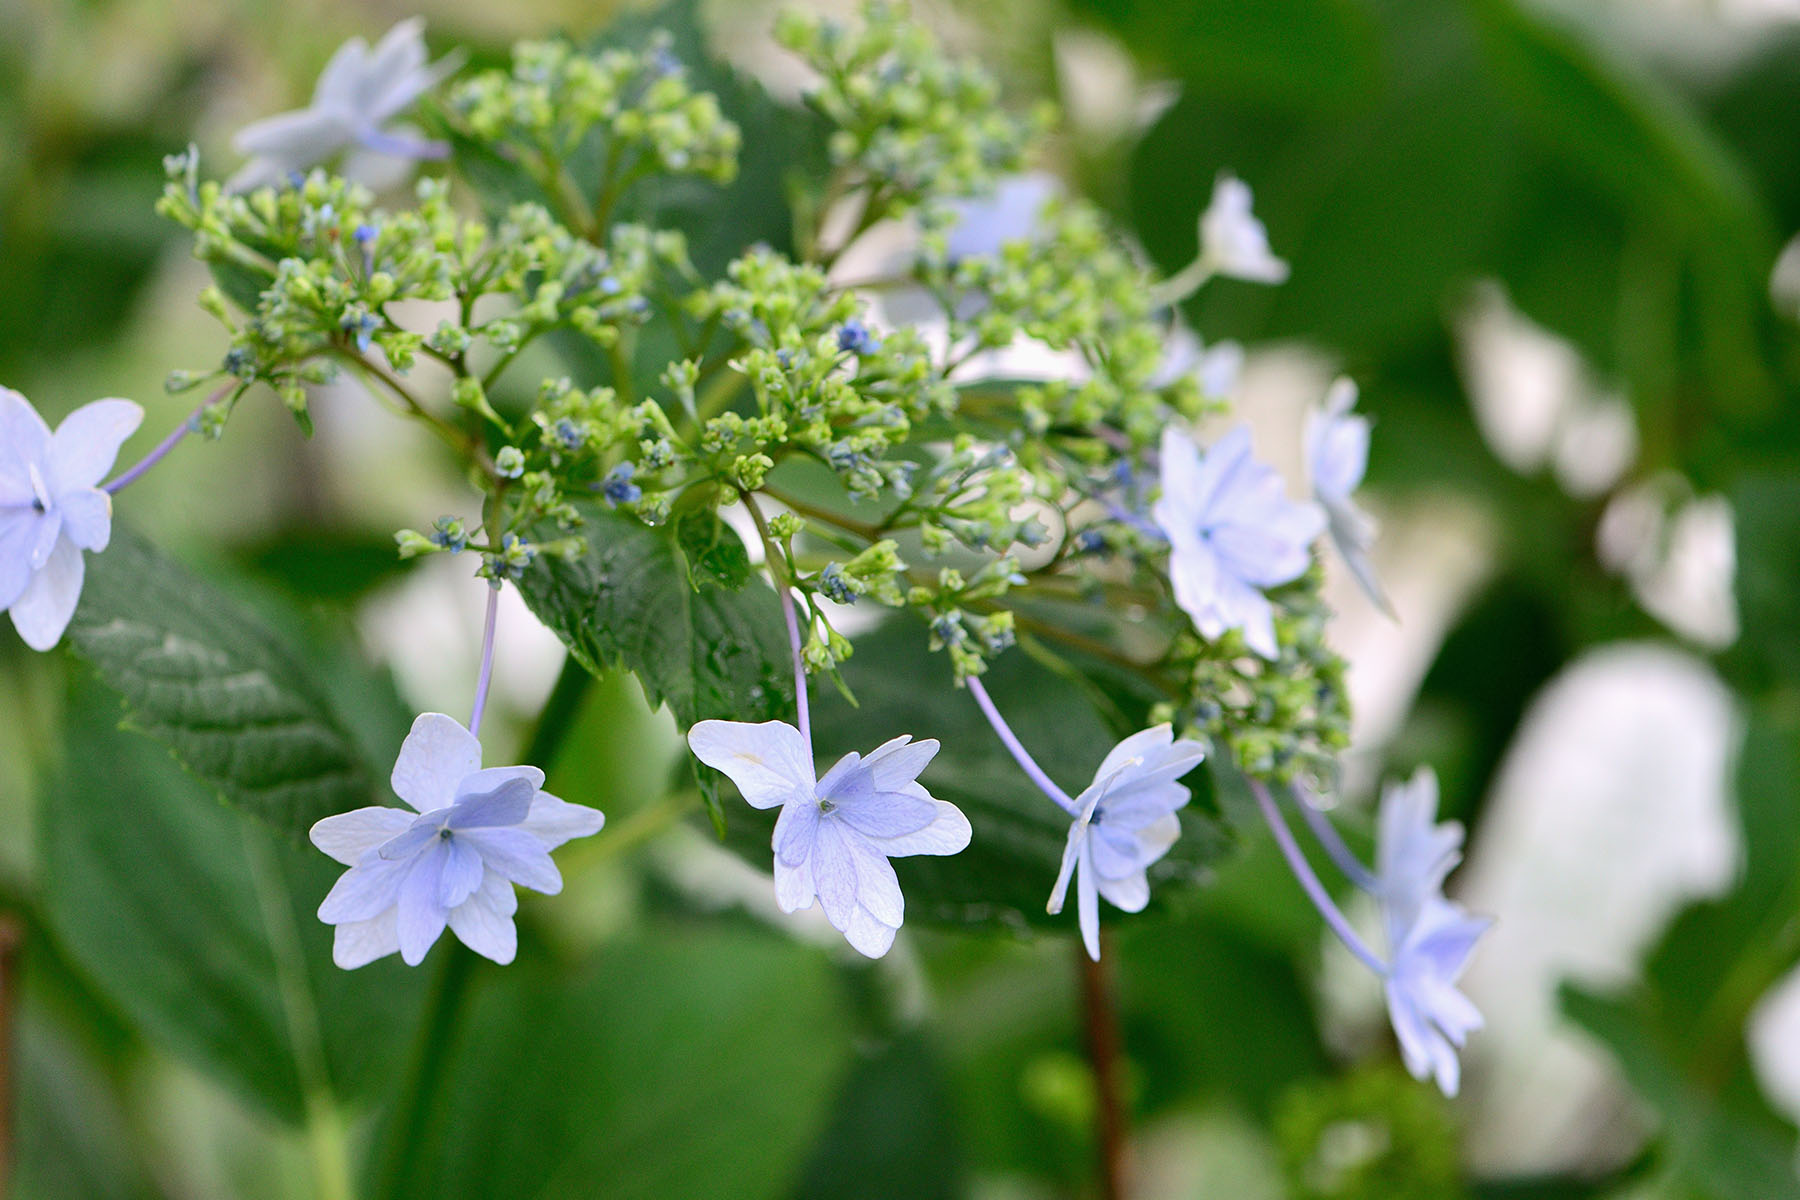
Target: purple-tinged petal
436 757
422 916
489 779
1087 903
867 934
463 872
365 891
484 921
348 837
18 530
87 443
415 837
46 534
795 830
793 886
834 874
948 833
896 763
507 804
877 889
888 814
24 440
87 518
769 762
518 856
43 609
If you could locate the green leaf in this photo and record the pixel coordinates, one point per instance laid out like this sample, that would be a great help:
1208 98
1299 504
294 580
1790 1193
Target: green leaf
1004 877
197 923
629 601
894 1121
687 1066
202 675
72 1138
715 554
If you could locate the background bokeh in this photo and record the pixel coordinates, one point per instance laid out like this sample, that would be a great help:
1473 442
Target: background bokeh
1542 237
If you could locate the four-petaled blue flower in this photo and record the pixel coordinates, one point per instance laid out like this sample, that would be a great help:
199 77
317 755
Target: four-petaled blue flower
451 862
1337 455
358 93
1124 821
835 835
51 507
1232 532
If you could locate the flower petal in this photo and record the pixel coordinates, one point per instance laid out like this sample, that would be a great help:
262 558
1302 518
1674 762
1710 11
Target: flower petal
769 762
518 856
834 874
1128 893
358 943
436 757
888 814
348 837
1087 903
87 442
506 804
462 873
899 762
795 830
42 611
24 440
365 891
877 888
86 518
18 530
553 821
794 886
948 833
484 921
867 934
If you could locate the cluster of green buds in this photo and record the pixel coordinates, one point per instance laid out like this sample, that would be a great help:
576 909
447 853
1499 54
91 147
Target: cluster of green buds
572 360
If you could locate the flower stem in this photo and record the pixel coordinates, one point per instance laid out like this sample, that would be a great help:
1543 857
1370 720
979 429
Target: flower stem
190 425
1101 1027
1020 755
1309 882
1333 841
784 591
487 660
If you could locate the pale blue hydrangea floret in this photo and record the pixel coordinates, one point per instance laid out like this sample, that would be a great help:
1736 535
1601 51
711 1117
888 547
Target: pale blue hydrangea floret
1014 210
1337 456
358 93
1216 368
453 861
835 835
1232 532
1232 241
52 508
1124 821
1429 938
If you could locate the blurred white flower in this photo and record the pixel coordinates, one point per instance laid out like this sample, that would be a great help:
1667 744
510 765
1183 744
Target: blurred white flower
1431 1018
1337 456
1232 241
358 93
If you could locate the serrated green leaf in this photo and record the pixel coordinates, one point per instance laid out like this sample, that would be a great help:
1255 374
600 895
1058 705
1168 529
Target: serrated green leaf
629 601
197 923
715 554
678 1068
1003 879
212 682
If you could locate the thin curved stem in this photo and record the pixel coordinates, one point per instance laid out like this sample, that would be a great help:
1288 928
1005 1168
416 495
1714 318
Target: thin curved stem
1020 755
1334 844
487 661
784 591
191 425
1309 882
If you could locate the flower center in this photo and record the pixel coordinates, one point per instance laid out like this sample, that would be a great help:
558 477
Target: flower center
826 806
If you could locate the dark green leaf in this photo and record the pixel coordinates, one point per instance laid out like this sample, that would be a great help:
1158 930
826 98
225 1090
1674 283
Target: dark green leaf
204 676
715 553
198 924
680 1067
893 1122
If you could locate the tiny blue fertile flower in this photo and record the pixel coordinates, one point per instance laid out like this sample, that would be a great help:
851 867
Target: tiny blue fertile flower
835 835
617 487
452 861
1232 241
52 508
1124 821
1232 532
854 338
1337 455
358 93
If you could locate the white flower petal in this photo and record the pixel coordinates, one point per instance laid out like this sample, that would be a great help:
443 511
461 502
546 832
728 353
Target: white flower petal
834 874
553 821
18 530
768 762
293 141
867 934
436 757
793 886
43 609
877 888
365 891
1128 893
87 442
1087 903
358 943
86 518
24 440
948 833
349 837
898 762
887 814
421 916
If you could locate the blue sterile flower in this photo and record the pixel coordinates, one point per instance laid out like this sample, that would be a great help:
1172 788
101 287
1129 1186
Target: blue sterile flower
52 507
1431 1018
1232 532
835 835
617 487
853 337
453 860
1124 821
1337 456
358 93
